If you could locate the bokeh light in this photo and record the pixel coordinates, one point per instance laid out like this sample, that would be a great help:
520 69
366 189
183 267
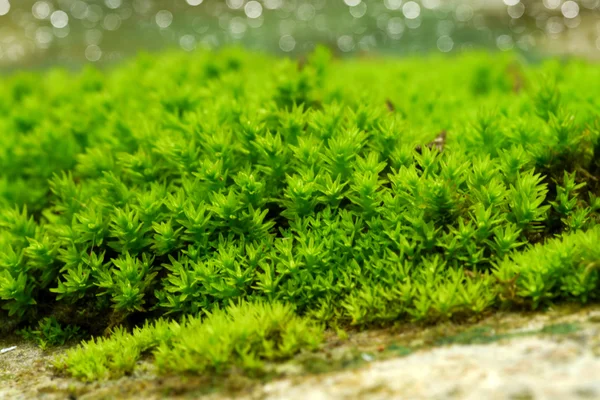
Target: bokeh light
4 7
59 19
65 31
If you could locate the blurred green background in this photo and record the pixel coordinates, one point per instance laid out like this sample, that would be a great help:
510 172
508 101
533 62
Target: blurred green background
40 33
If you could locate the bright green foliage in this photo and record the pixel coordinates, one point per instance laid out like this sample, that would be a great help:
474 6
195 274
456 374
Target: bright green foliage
50 333
103 358
179 183
566 268
242 336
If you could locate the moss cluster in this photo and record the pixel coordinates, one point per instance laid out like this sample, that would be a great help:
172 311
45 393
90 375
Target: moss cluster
357 192
50 333
241 337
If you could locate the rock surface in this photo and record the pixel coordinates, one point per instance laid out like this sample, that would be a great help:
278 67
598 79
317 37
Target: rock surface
524 368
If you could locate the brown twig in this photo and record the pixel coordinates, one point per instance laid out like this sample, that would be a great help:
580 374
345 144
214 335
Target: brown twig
390 106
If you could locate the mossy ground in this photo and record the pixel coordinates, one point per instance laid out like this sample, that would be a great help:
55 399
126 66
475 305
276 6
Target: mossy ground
228 207
24 373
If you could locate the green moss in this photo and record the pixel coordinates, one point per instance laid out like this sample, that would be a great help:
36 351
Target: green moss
560 329
399 350
477 335
487 334
50 333
355 192
244 336
7 377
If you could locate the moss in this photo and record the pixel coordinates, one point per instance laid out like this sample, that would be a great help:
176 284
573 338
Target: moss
478 335
50 333
179 185
398 350
240 337
333 356
560 329
487 334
